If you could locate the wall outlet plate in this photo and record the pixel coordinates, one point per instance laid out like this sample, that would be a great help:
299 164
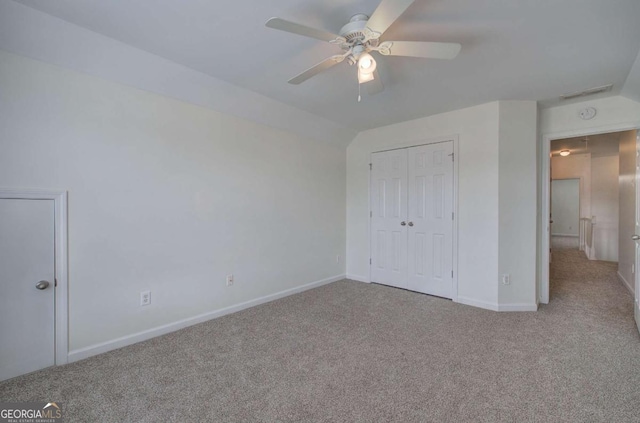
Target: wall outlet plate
229 280
145 298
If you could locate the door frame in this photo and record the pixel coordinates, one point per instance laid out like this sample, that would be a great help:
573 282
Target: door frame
636 282
453 138
61 318
545 185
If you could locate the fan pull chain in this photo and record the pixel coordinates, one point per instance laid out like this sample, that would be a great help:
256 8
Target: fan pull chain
359 96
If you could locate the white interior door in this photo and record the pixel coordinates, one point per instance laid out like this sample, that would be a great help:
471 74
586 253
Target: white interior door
430 219
26 304
636 306
388 218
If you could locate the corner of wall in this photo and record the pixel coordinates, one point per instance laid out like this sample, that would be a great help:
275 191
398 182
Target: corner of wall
518 205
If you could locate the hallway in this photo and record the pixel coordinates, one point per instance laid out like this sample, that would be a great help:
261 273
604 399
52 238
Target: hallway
590 288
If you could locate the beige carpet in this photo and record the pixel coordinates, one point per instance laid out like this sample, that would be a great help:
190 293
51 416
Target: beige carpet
356 352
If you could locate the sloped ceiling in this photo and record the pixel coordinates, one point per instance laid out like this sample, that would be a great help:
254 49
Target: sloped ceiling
512 50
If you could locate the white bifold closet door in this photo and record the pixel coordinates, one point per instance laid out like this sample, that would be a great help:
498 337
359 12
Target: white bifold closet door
412 218
389 218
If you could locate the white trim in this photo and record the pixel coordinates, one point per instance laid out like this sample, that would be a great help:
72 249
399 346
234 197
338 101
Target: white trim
82 353
567 235
590 252
358 278
518 307
545 176
418 143
61 262
477 303
456 161
625 282
497 307
370 219
455 138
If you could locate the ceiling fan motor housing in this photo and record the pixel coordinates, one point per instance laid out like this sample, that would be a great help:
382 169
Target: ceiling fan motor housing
353 31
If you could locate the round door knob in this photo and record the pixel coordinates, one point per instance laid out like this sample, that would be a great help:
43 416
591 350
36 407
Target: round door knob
42 285
410 223
403 223
635 237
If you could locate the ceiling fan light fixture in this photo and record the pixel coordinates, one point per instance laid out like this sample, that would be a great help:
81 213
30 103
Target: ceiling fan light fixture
565 153
366 67
367 63
364 77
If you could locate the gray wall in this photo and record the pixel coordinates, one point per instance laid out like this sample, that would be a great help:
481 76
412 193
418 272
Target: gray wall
626 253
565 207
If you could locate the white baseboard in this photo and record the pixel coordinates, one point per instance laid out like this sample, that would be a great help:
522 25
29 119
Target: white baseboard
518 307
590 253
82 353
497 307
477 303
625 282
358 278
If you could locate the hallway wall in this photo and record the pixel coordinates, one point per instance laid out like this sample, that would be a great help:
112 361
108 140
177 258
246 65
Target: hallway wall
627 207
604 206
565 207
575 166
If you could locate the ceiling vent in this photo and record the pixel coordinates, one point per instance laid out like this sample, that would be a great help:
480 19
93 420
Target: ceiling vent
590 91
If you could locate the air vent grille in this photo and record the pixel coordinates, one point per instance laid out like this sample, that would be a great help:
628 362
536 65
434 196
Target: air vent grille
590 91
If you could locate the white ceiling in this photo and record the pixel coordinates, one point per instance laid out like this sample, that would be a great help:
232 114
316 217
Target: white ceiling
511 50
598 145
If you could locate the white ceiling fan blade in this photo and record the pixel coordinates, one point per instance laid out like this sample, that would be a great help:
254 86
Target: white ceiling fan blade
295 28
424 49
313 71
375 86
386 13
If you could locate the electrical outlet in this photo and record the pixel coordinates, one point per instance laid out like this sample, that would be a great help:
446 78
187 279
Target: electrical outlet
145 298
229 280
506 279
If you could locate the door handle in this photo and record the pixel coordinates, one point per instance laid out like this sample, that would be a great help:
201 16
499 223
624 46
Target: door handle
635 237
403 223
410 223
42 285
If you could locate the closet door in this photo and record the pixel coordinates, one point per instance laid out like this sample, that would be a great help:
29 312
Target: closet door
430 219
389 218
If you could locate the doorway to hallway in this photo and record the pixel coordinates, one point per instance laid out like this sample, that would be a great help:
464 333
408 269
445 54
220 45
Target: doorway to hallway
603 168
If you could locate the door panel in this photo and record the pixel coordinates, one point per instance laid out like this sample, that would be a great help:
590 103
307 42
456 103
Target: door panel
26 313
430 217
389 210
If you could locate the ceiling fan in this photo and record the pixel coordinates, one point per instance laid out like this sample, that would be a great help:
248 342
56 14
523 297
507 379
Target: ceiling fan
360 37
